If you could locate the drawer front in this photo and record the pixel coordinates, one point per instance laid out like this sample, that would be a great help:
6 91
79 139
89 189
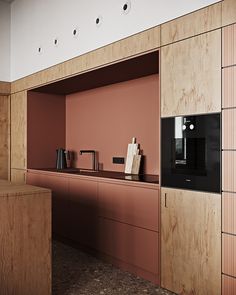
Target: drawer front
228 285
229 254
229 171
136 206
229 129
229 212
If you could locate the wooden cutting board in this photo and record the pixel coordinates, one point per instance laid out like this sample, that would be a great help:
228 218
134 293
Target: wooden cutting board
132 150
136 164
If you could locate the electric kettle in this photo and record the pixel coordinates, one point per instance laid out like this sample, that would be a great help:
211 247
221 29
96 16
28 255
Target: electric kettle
61 159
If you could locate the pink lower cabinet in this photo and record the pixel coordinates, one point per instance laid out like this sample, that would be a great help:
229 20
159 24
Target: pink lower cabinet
60 205
132 248
135 205
83 211
229 254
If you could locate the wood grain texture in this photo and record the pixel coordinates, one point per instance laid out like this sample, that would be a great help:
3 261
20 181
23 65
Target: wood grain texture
136 206
228 12
229 87
228 285
117 51
18 176
18 130
229 254
4 136
5 87
229 129
198 22
229 213
229 45
229 171
191 242
191 76
25 258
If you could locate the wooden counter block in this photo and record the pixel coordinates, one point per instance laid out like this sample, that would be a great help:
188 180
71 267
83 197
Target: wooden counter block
229 171
229 213
229 129
25 257
228 285
229 87
229 254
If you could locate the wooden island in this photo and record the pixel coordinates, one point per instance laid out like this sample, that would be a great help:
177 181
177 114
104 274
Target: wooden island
25 239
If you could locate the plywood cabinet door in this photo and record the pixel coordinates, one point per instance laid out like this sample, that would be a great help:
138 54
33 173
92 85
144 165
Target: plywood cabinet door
190 242
18 130
191 76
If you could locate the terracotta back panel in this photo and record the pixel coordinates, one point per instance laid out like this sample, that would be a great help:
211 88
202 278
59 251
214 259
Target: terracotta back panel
229 129
229 45
45 128
229 213
229 87
105 119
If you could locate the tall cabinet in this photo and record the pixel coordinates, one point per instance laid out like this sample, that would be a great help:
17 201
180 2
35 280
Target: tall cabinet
191 220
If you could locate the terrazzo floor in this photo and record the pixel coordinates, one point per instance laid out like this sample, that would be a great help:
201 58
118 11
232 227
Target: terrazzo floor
77 273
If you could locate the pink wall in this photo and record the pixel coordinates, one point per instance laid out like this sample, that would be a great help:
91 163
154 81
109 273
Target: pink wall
105 119
45 128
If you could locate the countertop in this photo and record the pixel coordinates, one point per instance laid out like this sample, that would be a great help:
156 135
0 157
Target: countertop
146 178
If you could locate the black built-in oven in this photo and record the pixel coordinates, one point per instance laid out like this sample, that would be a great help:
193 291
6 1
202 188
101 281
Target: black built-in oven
190 152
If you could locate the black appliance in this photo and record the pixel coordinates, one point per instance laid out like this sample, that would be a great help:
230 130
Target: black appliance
61 159
190 152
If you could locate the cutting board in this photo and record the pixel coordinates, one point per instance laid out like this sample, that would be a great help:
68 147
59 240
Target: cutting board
132 150
136 164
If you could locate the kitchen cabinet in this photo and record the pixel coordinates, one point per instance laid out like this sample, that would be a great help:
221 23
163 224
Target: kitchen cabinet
228 257
190 241
18 176
83 211
191 76
228 285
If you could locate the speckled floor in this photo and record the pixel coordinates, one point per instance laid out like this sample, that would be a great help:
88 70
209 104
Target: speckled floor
77 273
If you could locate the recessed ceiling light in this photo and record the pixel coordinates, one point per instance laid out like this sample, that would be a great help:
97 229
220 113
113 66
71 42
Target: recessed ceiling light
126 7
98 21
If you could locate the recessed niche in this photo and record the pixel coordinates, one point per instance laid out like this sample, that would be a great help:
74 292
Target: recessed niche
126 7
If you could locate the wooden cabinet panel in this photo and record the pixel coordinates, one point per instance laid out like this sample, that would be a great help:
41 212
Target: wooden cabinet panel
229 254
18 176
229 129
129 204
200 21
229 213
25 258
228 12
5 88
83 211
191 76
18 130
190 242
229 87
4 136
228 285
229 171
229 46
133 245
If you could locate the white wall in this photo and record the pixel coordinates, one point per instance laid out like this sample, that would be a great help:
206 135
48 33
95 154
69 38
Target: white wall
36 23
5 20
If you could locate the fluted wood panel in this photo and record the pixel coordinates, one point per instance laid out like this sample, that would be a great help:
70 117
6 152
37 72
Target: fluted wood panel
18 129
228 285
228 12
229 171
190 242
4 136
5 87
229 87
203 20
229 129
191 76
229 254
125 48
229 45
229 213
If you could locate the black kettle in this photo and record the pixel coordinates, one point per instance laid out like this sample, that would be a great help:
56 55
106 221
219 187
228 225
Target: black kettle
61 159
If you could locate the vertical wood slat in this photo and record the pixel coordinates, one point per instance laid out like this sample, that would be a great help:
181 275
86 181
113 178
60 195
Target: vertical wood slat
228 285
229 213
4 136
229 254
229 46
229 87
229 129
229 171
